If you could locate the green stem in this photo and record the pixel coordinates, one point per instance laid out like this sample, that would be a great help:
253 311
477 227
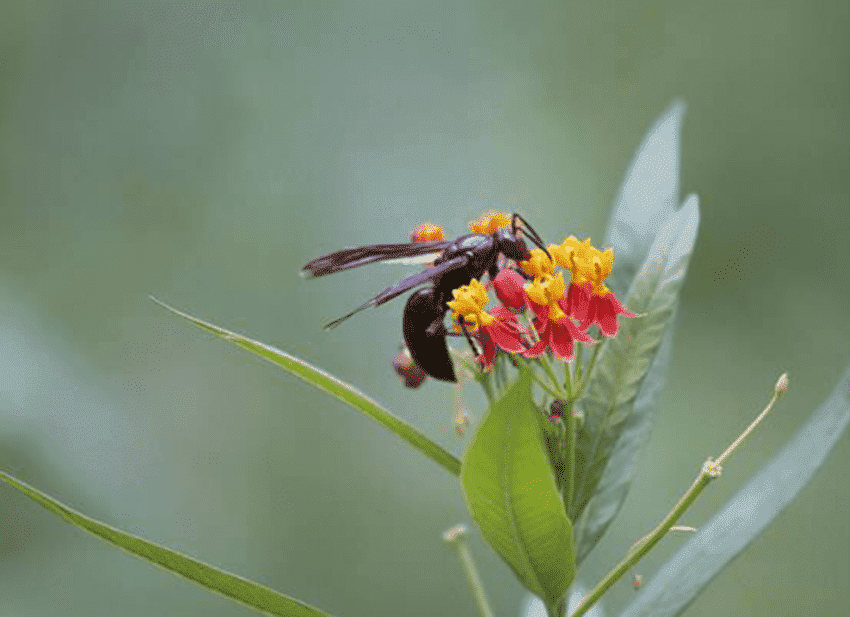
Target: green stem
710 470
586 379
457 538
645 544
568 473
547 367
558 610
540 383
578 359
488 389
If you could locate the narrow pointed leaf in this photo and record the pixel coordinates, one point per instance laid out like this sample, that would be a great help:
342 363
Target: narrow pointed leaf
649 195
620 397
229 585
511 492
748 513
333 386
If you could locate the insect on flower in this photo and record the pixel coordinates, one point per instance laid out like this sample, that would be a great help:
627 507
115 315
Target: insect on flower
455 263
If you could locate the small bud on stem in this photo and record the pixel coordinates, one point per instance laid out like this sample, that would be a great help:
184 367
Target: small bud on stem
711 469
456 537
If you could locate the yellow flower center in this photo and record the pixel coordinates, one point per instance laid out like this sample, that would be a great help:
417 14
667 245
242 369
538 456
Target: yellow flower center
547 290
538 264
585 262
467 305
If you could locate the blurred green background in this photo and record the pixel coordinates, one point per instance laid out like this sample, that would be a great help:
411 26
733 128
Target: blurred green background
202 152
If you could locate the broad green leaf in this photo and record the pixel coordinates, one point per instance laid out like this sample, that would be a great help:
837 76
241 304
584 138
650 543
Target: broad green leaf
333 386
748 513
620 396
511 492
229 585
649 195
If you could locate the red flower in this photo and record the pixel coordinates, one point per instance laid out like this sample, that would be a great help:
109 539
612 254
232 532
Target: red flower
553 323
509 289
504 333
603 312
558 334
589 300
576 301
409 370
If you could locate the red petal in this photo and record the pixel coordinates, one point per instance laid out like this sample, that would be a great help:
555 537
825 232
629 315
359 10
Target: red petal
505 315
590 314
542 345
577 302
537 349
488 356
505 338
509 289
576 333
541 311
619 308
563 347
606 318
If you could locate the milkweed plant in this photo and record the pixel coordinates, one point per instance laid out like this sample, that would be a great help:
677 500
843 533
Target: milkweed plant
570 347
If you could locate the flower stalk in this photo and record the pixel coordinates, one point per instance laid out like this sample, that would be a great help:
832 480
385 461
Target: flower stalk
569 473
711 469
456 537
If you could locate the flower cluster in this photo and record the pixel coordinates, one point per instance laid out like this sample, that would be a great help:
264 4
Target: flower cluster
540 311
555 306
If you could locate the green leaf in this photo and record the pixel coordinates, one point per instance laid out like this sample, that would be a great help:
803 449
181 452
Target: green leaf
647 199
511 492
234 587
333 386
626 380
649 195
748 513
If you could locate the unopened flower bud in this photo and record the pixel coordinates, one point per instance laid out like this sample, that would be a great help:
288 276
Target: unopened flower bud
409 370
781 386
556 408
454 533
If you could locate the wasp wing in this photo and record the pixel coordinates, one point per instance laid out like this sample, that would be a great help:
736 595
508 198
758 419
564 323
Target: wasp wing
406 284
362 255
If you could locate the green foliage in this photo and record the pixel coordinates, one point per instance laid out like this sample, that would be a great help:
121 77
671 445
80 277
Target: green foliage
333 386
511 492
229 585
748 513
614 428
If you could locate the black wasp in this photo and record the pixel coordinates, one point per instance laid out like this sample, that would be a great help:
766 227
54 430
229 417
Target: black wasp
455 263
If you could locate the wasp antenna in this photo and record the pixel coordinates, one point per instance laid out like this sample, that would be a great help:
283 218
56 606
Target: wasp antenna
532 233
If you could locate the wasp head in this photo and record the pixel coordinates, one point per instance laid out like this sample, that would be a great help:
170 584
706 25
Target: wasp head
511 245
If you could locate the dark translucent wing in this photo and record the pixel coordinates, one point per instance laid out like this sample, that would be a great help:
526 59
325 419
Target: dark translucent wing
362 255
404 285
